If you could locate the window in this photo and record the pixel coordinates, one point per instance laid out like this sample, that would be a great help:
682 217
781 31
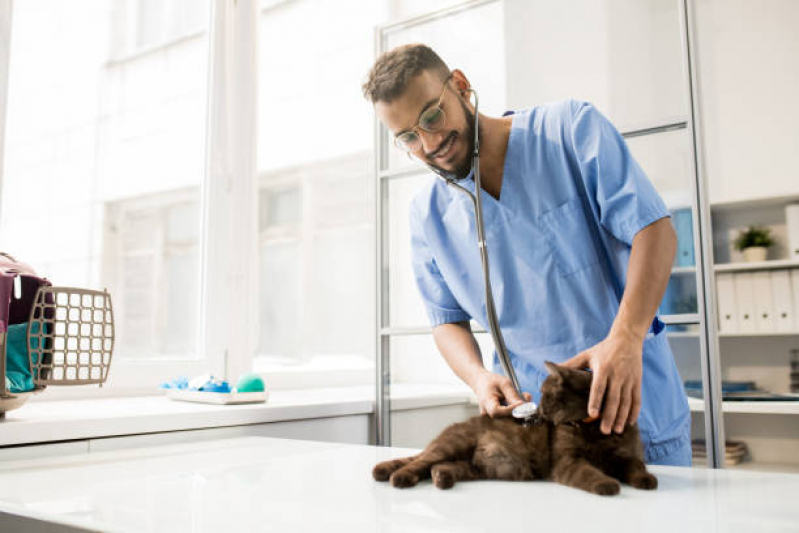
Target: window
103 169
315 237
142 25
105 179
316 193
152 265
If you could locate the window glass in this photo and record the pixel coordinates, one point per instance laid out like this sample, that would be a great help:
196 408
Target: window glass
104 161
316 232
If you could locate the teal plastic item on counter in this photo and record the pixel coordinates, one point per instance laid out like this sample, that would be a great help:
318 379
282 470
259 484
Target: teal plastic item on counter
18 371
250 382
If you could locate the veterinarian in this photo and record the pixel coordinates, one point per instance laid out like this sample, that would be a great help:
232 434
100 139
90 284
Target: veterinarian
579 242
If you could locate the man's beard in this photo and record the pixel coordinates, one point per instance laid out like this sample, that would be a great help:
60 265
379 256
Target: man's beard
464 168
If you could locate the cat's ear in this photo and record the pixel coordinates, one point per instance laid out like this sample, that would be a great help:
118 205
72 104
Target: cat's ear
577 379
554 370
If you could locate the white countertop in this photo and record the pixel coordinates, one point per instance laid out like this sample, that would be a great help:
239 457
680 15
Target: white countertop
262 484
49 421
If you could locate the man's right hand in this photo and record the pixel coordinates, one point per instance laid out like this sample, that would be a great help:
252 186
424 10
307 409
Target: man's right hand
493 390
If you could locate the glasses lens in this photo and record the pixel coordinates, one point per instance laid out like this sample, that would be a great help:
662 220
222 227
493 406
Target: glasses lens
407 141
432 119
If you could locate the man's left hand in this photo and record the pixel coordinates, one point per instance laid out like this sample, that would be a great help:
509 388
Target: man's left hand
616 364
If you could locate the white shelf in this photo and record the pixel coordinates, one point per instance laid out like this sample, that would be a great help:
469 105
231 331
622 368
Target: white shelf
730 335
753 466
682 334
753 407
757 466
757 265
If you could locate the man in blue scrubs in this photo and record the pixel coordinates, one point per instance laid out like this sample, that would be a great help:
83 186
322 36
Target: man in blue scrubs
579 243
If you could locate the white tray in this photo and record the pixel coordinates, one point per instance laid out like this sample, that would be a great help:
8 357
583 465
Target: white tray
220 398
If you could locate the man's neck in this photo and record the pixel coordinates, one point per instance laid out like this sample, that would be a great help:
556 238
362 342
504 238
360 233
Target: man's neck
493 147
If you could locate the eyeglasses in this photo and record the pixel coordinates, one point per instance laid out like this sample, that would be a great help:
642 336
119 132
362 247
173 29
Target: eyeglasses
431 121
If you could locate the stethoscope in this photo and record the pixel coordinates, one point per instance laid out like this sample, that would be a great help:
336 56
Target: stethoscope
527 409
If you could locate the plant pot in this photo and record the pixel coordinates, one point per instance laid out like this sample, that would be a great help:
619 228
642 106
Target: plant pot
755 253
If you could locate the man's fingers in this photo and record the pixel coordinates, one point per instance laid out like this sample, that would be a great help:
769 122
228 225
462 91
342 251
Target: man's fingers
598 384
491 405
527 397
610 408
509 392
503 411
577 362
624 408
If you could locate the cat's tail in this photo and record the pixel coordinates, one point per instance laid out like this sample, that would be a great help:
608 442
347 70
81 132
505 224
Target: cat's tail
382 471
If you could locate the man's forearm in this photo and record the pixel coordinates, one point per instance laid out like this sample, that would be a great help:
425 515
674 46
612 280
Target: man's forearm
648 274
457 344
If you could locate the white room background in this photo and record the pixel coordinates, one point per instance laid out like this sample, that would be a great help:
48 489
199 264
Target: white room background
107 142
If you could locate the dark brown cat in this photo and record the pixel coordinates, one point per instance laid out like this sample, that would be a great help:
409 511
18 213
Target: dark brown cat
556 444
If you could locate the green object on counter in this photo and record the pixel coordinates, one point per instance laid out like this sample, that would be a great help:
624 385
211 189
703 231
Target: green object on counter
18 364
250 382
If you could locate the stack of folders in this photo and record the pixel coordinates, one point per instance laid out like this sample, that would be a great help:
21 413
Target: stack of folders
758 302
735 451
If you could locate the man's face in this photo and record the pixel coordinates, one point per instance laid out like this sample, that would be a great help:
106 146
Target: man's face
448 149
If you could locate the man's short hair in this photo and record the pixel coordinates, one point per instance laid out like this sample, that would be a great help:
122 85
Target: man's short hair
392 71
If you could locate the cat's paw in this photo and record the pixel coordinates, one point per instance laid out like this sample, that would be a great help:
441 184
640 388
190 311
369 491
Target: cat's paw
402 479
382 471
643 480
443 479
607 487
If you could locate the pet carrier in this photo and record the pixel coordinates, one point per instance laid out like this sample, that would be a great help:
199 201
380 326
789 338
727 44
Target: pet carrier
49 335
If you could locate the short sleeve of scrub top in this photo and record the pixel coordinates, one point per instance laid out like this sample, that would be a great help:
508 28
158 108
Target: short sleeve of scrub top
441 305
626 200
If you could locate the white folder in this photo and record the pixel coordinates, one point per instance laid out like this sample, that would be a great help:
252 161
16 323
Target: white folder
783 300
745 302
764 302
795 286
725 292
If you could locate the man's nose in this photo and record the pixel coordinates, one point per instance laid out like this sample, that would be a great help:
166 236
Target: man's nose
431 141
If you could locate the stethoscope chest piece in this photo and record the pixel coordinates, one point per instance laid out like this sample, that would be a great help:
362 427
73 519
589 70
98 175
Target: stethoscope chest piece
525 410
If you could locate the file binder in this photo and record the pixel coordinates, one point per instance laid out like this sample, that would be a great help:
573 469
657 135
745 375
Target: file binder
745 302
725 292
764 302
783 300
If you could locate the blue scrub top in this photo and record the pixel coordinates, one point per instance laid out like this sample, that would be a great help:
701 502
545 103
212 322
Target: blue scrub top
559 240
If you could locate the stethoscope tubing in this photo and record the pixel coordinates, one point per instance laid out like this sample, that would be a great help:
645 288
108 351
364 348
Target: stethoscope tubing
491 311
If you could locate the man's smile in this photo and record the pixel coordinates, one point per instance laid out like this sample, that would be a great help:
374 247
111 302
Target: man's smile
442 152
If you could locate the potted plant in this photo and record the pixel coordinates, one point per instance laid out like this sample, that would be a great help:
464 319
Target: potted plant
754 242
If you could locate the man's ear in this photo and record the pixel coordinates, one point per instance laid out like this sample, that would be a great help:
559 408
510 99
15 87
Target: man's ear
554 370
461 82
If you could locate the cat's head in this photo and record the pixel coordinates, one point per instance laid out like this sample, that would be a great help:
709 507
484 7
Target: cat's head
564 394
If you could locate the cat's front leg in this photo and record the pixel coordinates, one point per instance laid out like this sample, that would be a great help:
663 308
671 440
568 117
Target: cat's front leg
445 475
580 474
382 471
634 473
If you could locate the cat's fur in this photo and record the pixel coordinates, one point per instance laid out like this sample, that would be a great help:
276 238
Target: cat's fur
556 445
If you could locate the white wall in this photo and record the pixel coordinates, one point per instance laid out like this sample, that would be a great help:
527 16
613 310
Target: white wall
748 82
